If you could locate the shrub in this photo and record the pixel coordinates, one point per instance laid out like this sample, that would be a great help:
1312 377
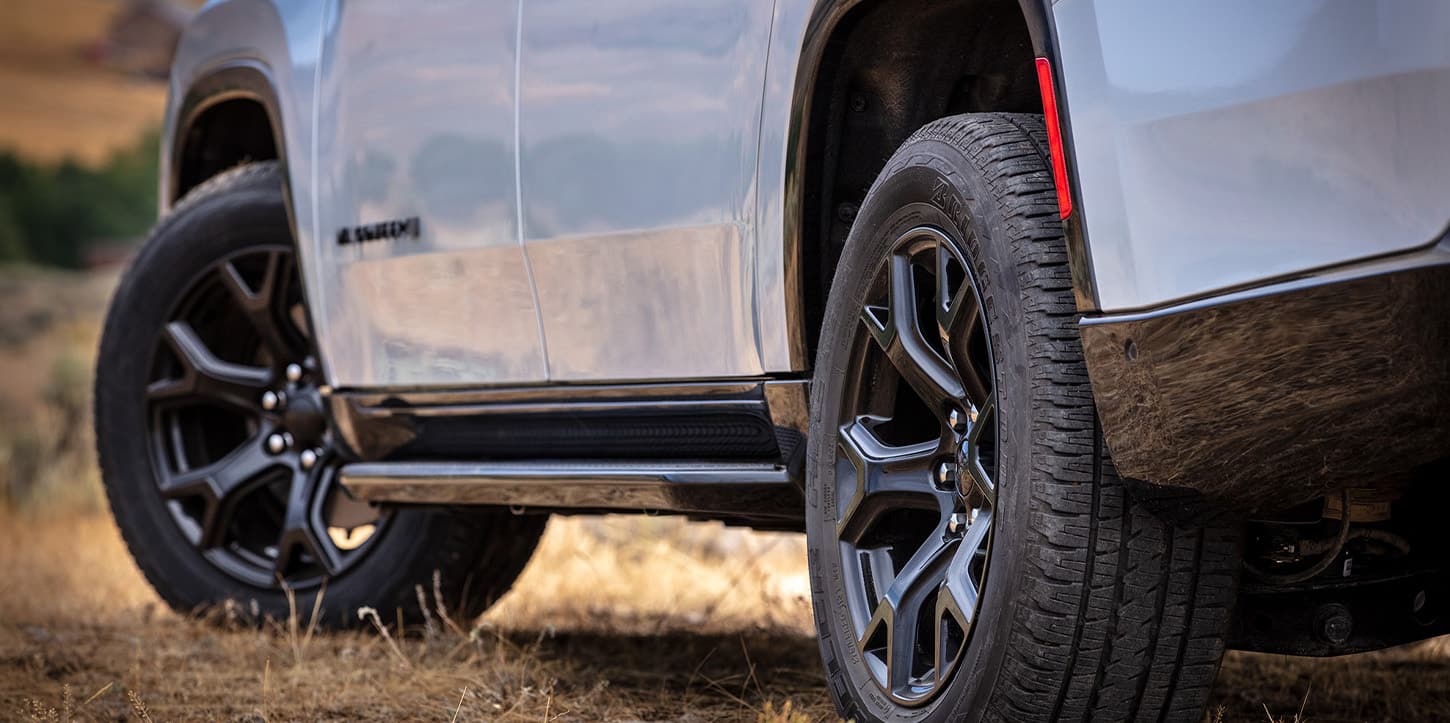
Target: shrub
50 213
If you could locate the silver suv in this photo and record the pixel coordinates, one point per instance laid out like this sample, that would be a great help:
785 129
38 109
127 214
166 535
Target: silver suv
1083 339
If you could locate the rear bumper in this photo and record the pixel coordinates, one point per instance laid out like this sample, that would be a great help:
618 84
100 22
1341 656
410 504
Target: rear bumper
1271 397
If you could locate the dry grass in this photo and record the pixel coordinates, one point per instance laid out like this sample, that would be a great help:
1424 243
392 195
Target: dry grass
669 627
615 619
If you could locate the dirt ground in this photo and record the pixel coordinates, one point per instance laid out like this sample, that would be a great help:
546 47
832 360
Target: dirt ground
620 620
615 619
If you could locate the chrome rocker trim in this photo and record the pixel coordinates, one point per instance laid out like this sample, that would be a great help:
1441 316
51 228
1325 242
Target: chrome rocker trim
748 491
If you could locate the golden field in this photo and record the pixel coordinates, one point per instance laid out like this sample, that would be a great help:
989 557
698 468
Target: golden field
57 105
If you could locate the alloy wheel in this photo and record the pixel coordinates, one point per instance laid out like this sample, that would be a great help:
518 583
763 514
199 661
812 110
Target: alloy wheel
239 438
915 466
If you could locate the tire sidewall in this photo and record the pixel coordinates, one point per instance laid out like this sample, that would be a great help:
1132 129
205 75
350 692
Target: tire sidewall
926 183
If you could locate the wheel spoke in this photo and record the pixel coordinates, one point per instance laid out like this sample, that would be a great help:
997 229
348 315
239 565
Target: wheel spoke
886 476
952 304
959 592
958 315
263 304
960 307
218 484
900 608
206 377
897 330
299 534
975 468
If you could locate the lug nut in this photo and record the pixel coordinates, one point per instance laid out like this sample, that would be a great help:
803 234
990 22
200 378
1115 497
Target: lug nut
957 420
308 458
946 475
270 400
957 523
277 444
294 372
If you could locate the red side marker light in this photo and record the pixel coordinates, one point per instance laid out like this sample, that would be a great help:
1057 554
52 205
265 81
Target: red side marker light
1054 137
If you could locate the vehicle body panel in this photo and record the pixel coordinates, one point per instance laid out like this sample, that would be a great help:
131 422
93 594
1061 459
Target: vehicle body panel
1221 145
655 186
451 308
638 130
416 120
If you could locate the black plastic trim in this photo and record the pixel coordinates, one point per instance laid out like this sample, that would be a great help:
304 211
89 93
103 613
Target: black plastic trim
1365 615
726 420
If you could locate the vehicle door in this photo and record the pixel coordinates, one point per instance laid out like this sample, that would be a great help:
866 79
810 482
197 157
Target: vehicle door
422 279
639 123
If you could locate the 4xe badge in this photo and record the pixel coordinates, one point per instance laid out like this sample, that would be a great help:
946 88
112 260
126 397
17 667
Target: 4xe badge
381 231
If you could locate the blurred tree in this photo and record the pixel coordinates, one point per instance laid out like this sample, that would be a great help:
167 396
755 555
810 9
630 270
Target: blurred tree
50 214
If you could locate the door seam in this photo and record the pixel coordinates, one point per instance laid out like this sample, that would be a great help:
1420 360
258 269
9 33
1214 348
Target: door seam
519 189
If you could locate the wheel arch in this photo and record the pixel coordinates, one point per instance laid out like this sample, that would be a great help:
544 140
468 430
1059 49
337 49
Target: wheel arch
969 56
229 115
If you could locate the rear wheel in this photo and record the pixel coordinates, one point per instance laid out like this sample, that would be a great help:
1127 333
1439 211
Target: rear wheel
973 553
214 443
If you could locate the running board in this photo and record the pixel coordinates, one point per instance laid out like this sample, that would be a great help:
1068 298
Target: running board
725 490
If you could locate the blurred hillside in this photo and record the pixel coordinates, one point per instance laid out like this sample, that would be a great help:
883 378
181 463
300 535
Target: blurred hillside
63 100
83 80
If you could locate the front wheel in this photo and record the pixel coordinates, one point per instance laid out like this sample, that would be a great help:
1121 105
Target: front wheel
215 450
974 555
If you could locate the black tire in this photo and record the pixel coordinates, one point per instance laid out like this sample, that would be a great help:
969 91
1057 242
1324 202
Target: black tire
1091 607
476 554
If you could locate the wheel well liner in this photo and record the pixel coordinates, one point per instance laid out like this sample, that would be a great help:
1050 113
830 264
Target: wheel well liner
229 116
872 72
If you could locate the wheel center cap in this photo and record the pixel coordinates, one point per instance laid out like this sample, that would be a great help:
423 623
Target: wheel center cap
304 416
